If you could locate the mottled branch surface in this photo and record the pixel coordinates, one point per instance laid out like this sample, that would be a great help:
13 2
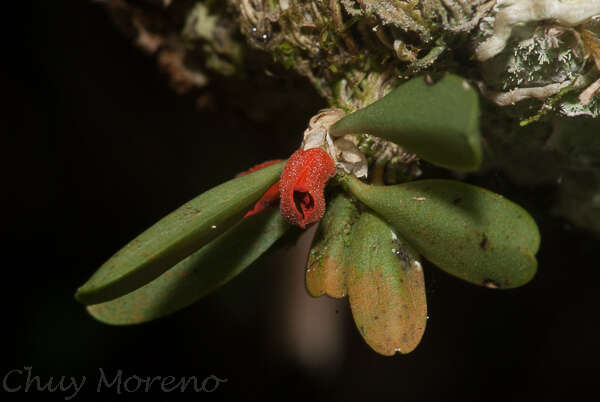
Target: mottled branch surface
535 62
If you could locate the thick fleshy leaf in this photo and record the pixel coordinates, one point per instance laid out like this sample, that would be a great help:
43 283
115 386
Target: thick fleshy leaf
465 230
199 274
176 236
386 288
438 122
326 269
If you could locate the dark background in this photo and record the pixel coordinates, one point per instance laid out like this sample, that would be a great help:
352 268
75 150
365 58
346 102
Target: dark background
97 147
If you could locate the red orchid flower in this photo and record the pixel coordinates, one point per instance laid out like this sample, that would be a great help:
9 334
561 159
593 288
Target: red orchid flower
302 183
300 188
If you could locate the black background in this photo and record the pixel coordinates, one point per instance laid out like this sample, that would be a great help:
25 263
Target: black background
97 147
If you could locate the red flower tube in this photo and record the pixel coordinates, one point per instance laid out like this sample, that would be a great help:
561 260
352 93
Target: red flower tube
268 200
271 197
301 186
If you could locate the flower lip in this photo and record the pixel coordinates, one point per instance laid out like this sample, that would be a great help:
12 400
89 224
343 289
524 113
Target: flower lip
304 202
302 183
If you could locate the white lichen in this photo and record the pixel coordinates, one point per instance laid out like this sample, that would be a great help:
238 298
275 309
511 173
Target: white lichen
514 12
572 106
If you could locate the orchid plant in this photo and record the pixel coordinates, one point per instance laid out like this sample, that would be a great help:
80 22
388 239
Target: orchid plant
370 237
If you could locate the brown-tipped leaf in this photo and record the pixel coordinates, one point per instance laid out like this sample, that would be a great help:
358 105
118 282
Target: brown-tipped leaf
326 269
386 288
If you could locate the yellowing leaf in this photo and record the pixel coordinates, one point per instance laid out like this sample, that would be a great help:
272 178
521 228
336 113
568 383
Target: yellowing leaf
326 269
386 288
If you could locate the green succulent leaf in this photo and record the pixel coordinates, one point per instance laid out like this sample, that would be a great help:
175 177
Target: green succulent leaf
438 122
176 236
386 288
326 269
465 230
199 274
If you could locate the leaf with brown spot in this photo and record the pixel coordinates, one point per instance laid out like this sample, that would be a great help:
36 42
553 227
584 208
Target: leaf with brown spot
386 288
326 268
483 237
